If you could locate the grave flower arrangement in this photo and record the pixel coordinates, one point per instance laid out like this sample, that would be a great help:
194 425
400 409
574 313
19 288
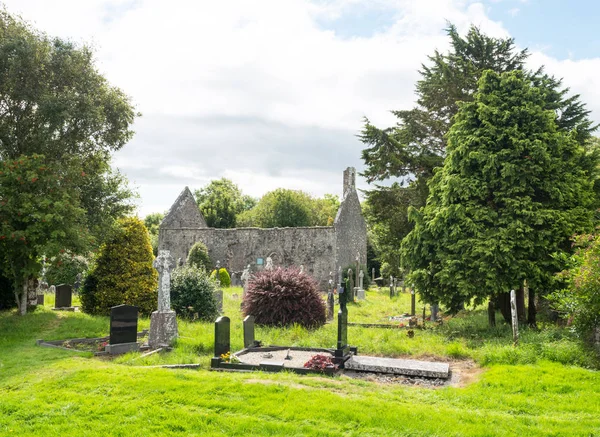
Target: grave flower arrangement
320 362
228 358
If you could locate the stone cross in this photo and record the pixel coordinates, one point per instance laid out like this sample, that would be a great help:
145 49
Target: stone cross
330 305
164 263
361 277
350 296
217 277
245 278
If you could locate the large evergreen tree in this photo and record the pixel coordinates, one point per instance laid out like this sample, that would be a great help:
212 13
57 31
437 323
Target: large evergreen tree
416 145
512 191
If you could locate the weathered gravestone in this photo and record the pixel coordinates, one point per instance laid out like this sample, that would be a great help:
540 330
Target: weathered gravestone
219 299
391 286
64 295
222 336
77 284
249 340
330 305
413 302
361 290
40 299
245 278
163 323
123 329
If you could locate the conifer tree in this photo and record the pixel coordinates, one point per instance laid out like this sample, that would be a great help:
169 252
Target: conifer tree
513 189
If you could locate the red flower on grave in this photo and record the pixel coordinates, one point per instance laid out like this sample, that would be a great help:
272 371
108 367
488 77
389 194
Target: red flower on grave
34 179
82 173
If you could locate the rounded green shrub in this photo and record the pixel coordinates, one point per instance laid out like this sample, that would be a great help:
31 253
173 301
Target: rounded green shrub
198 256
224 278
122 272
64 268
193 293
283 297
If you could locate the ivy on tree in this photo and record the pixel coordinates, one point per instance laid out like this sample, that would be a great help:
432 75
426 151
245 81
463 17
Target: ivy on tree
513 189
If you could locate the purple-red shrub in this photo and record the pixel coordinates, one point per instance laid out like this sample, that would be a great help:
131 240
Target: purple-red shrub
282 297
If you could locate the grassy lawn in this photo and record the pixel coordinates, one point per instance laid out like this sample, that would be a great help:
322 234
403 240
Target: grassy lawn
546 386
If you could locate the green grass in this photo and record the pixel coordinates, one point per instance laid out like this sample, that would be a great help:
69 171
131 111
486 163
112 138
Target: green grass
542 387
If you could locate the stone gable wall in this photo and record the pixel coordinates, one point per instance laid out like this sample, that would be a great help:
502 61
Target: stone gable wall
320 249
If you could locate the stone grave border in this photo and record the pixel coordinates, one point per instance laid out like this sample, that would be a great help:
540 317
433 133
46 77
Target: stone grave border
58 344
222 345
220 365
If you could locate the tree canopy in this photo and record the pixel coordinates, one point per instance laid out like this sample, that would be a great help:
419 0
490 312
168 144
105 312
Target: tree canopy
408 152
221 201
59 118
513 189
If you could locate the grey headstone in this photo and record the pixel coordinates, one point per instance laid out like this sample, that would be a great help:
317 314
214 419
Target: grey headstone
40 299
219 299
396 366
64 295
123 324
330 305
222 336
248 331
361 294
164 264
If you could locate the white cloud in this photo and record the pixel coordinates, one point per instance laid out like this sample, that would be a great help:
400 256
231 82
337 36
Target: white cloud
258 91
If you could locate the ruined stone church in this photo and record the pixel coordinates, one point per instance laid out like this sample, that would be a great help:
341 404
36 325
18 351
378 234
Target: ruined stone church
320 249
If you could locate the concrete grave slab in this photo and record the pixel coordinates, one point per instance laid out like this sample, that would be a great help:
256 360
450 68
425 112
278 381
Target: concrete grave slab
427 369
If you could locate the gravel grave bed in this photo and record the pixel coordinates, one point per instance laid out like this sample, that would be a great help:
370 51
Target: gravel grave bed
298 358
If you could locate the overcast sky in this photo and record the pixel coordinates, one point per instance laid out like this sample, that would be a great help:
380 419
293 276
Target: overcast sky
271 93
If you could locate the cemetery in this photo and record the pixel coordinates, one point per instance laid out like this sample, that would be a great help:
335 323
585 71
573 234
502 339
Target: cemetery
450 286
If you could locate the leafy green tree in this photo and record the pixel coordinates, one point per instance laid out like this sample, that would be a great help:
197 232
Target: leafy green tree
54 102
40 213
281 208
580 300
152 223
221 201
513 189
416 145
122 272
325 209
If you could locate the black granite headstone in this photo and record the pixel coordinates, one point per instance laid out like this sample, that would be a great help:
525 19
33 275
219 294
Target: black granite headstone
123 324
222 336
40 299
64 294
342 340
249 331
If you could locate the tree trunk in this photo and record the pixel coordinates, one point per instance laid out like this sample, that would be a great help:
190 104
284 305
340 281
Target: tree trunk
531 310
521 304
491 313
23 305
503 304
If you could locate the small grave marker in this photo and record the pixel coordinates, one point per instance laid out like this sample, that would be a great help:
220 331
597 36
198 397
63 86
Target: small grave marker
64 295
249 340
123 330
222 336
